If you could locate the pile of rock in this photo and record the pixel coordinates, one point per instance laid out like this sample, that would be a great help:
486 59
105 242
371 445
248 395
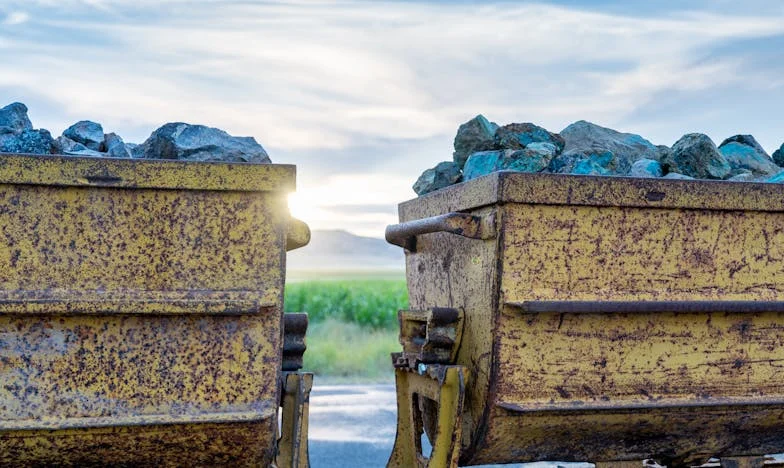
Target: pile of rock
85 138
483 147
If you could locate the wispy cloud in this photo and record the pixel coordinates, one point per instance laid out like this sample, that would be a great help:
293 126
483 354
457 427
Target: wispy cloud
315 80
15 17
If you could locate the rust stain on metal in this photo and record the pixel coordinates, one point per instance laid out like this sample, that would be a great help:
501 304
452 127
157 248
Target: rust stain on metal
141 311
611 319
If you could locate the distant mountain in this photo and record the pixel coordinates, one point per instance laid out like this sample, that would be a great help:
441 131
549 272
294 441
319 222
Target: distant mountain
341 250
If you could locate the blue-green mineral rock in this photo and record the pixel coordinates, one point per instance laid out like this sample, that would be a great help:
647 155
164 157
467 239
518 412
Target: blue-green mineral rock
475 135
584 136
778 156
646 168
443 175
533 158
743 152
519 135
696 155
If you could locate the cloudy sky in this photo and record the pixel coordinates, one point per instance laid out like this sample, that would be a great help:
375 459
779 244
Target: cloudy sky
364 95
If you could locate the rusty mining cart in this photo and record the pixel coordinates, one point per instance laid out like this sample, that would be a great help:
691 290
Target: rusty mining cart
601 319
141 318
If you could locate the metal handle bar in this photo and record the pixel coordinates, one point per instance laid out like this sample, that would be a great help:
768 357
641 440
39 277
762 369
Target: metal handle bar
298 234
462 224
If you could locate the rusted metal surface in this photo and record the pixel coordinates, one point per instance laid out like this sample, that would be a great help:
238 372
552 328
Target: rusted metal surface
608 324
444 388
140 311
474 227
430 336
573 190
647 307
295 326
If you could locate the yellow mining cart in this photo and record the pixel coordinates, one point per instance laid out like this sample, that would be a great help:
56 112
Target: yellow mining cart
575 318
141 319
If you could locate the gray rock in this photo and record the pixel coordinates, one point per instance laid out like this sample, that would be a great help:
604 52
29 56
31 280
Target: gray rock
696 155
115 146
474 135
627 147
136 150
530 159
743 152
13 119
184 141
443 175
646 168
66 146
517 136
778 156
27 141
88 133
62 145
677 176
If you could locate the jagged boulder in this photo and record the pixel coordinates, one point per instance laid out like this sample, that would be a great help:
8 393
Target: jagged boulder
473 136
14 119
584 136
443 175
65 146
115 146
778 156
86 132
743 152
696 155
27 141
184 141
517 136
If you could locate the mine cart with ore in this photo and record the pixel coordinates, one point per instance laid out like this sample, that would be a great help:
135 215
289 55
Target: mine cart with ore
141 319
602 319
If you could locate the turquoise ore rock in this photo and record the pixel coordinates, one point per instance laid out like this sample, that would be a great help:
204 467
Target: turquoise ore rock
742 152
646 168
443 175
534 158
475 135
778 156
696 155
583 136
520 135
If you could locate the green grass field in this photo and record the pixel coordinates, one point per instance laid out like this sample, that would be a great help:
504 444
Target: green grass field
353 326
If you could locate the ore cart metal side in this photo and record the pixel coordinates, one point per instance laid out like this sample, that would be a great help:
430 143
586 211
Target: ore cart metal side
575 318
141 319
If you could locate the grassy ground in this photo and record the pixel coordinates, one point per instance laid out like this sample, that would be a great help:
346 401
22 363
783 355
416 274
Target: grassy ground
353 326
340 352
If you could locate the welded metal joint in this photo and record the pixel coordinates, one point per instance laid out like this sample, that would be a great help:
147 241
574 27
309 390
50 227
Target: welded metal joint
466 225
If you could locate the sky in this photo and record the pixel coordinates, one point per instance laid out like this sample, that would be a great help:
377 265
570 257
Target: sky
364 95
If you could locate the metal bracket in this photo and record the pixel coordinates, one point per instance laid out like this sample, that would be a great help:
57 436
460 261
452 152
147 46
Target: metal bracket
295 402
463 224
430 336
295 326
443 389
